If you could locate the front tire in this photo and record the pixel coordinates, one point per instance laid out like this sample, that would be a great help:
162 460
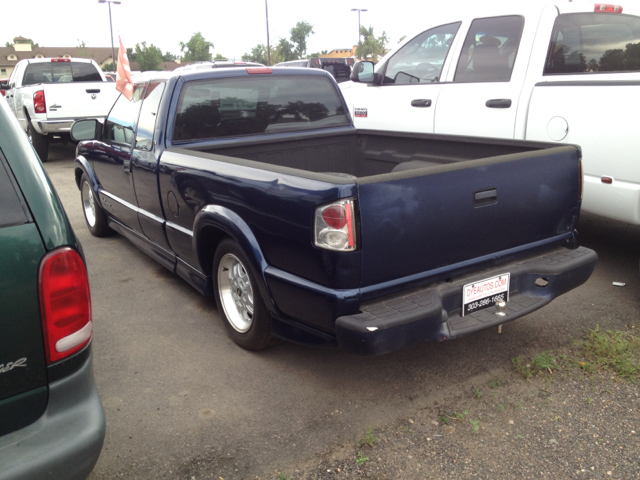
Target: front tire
239 302
40 143
94 215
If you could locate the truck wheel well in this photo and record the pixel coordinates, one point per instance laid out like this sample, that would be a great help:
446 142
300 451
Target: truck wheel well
208 240
78 173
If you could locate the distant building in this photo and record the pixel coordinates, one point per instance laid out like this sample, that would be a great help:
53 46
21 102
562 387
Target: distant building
341 53
22 49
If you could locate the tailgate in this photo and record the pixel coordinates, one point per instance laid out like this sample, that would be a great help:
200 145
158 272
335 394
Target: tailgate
79 99
427 223
23 393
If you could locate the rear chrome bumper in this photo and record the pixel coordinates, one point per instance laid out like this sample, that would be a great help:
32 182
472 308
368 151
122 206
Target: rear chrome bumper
54 127
433 312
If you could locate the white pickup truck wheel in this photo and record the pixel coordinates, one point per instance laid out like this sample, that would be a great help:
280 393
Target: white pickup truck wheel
240 305
40 143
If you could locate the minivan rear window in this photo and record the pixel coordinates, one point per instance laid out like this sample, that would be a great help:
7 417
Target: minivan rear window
60 72
594 43
229 107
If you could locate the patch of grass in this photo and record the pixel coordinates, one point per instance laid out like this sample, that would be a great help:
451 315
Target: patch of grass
618 352
493 384
475 426
361 458
445 419
369 439
478 393
544 361
282 476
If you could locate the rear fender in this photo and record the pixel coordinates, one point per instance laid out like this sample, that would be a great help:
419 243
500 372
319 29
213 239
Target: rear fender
211 225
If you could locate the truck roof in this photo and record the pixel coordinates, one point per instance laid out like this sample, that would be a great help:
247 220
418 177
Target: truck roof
58 59
227 72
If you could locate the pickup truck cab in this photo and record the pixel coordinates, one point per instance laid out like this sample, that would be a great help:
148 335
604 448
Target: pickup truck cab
253 185
566 72
48 94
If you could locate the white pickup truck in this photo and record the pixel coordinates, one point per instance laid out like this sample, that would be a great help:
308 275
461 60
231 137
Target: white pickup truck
48 94
568 73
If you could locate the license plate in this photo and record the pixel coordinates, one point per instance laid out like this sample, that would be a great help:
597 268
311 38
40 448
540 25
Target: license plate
485 293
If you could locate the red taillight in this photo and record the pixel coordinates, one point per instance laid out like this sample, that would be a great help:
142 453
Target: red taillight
335 216
607 180
39 103
335 226
65 303
606 8
3 92
60 59
259 70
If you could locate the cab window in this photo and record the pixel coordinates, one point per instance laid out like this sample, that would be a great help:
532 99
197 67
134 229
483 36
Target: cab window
421 59
148 115
490 49
121 122
594 43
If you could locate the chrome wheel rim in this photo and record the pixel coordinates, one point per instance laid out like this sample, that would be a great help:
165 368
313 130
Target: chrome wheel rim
88 204
236 293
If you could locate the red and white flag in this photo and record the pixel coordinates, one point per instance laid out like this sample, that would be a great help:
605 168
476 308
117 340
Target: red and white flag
124 83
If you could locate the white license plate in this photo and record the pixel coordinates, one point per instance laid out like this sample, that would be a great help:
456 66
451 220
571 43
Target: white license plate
485 293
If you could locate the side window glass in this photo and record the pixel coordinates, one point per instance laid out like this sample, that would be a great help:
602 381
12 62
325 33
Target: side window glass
148 115
121 122
421 60
592 43
490 49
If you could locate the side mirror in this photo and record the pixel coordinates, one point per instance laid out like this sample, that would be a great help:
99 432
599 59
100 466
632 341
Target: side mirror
85 130
4 84
363 73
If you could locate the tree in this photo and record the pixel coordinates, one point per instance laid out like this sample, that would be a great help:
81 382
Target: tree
169 57
148 58
285 51
219 57
109 67
81 50
317 54
299 35
196 49
131 55
258 54
372 46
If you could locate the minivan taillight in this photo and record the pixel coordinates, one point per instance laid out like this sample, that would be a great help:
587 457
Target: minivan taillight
39 103
335 226
65 303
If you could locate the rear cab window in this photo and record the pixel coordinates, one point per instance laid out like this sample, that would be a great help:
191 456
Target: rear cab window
239 106
60 72
586 43
490 49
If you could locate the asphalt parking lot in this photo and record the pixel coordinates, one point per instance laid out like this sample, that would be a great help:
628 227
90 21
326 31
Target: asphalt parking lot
180 397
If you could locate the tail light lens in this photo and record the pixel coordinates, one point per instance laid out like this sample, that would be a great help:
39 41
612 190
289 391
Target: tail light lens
335 226
39 103
607 8
65 303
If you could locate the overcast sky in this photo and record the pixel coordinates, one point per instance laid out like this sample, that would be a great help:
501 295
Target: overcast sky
234 27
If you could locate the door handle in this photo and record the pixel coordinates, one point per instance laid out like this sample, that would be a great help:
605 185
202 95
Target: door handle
93 90
499 103
421 102
486 196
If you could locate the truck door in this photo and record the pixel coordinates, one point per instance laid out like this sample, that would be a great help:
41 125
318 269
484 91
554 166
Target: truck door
406 99
111 159
482 93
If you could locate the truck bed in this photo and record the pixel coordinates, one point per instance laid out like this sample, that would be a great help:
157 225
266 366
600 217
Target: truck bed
428 205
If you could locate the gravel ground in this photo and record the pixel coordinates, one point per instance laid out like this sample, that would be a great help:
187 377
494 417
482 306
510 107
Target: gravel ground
563 424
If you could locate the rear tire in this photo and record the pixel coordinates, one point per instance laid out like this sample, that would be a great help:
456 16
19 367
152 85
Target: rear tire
239 302
40 143
94 215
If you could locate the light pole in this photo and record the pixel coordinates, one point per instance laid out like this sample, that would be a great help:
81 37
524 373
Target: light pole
266 9
113 54
359 42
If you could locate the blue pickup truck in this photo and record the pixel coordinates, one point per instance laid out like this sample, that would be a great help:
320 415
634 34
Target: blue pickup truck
254 186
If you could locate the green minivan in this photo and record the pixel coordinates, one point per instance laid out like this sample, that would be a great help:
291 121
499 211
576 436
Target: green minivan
52 423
